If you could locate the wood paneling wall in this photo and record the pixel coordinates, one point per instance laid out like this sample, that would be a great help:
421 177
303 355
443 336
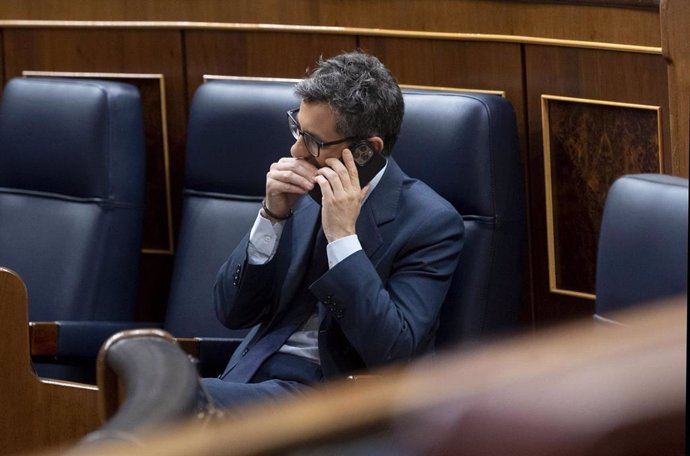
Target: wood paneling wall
506 17
527 50
534 52
601 76
262 54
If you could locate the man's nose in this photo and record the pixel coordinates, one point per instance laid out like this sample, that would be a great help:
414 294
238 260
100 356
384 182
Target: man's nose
298 149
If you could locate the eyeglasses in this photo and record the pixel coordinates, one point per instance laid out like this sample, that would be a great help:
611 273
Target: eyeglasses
313 144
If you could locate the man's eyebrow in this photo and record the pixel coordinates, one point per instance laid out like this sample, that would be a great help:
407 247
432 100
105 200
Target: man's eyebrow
316 137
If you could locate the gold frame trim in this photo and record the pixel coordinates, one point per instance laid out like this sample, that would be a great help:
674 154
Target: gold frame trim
217 77
548 183
164 132
331 30
220 77
501 93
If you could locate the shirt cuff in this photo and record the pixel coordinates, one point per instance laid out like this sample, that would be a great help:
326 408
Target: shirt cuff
342 248
263 240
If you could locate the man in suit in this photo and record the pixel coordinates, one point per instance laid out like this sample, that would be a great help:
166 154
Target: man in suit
351 278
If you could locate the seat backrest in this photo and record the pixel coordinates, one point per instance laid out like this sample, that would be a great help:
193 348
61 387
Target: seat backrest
463 145
643 242
71 195
236 130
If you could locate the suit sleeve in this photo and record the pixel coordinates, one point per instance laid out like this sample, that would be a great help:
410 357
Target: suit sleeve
242 294
394 319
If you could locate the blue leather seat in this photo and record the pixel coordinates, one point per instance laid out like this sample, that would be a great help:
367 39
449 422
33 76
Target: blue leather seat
463 145
235 131
71 202
643 242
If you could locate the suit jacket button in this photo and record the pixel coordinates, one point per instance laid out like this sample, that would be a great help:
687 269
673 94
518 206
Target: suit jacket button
245 351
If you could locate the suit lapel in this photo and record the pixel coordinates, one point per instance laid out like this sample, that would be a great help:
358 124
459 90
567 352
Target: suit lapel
381 207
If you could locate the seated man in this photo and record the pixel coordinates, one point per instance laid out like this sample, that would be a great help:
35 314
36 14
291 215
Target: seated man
349 260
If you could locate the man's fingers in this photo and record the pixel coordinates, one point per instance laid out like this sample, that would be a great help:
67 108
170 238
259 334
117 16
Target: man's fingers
299 166
291 177
326 190
351 167
344 174
332 179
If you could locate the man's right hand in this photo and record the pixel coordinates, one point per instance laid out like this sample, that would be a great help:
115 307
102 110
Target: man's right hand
286 181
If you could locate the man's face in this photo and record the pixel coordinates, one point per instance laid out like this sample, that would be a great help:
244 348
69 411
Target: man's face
318 120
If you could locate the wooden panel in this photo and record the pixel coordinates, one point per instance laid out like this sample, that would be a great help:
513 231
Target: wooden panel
469 65
578 22
587 145
675 18
287 55
35 413
122 51
599 75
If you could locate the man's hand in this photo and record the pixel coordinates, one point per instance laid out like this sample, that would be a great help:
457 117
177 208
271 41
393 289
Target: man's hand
342 196
286 181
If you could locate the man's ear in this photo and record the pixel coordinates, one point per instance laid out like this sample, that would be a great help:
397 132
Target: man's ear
376 142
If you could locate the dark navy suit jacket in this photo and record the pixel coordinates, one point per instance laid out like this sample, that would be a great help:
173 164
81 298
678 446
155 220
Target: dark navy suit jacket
377 306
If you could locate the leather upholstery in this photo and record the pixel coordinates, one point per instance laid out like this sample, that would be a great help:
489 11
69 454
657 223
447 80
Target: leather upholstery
643 242
235 131
71 195
463 145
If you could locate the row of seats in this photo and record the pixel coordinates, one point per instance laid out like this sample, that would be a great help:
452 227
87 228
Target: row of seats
72 196
642 257
71 199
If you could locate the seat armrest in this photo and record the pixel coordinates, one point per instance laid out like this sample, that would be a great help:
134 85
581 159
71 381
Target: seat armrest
56 340
211 353
160 387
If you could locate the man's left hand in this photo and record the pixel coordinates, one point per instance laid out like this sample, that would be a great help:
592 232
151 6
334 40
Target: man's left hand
342 196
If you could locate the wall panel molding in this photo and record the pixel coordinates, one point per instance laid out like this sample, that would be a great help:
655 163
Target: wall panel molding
499 17
327 30
587 145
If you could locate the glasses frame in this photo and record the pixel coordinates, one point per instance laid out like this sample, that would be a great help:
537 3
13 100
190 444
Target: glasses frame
297 132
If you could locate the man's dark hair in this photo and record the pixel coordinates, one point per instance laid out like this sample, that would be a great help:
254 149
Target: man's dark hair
363 94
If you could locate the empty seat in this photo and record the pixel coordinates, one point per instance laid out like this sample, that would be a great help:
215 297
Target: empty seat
71 202
643 243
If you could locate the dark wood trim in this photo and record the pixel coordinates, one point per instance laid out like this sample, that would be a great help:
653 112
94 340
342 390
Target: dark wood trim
44 338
